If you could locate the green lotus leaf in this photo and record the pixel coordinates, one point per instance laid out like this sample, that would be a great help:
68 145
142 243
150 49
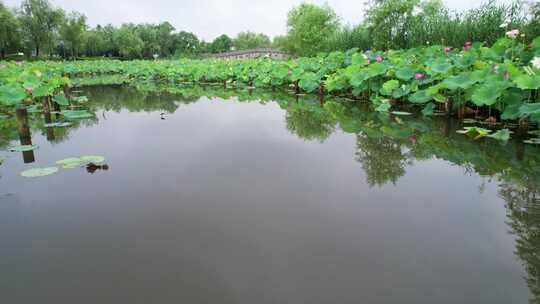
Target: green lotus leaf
23 148
80 99
11 94
61 100
69 161
502 135
487 94
420 97
529 109
528 82
93 158
383 107
440 66
405 73
39 172
428 109
389 86
77 114
461 81
475 132
57 124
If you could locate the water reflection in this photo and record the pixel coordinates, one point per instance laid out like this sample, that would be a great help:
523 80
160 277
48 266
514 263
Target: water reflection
386 145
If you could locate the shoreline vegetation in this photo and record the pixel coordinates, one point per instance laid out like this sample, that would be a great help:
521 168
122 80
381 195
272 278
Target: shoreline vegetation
498 85
311 29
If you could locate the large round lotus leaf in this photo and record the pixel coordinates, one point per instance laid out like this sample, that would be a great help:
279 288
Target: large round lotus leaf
93 158
69 161
23 148
38 172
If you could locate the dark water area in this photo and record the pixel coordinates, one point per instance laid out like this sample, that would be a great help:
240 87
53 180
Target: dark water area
265 199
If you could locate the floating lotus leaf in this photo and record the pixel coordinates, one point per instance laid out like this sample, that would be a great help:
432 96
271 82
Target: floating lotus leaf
23 148
39 172
475 132
77 114
80 99
69 161
93 159
57 124
401 113
502 135
71 166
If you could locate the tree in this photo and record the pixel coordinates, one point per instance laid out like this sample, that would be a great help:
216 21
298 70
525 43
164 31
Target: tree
164 36
388 21
221 44
40 21
308 25
249 40
130 45
9 32
72 32
185 43
94 43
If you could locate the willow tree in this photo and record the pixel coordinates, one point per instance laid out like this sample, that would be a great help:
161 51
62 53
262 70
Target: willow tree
40 22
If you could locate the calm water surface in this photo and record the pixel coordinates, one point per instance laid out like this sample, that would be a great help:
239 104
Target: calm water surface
226 201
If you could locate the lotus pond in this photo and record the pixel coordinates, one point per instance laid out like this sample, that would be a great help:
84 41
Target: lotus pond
207 195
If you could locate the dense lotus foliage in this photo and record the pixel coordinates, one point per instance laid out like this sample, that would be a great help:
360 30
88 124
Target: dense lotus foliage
500 81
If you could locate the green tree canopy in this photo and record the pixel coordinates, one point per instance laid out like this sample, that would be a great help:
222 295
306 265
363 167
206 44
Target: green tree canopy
130 45
72 32
9 31
308 25
40 22
250 40
221 44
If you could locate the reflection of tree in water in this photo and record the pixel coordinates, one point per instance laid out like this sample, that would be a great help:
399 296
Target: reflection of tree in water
117 98
382 159
310 124
523 211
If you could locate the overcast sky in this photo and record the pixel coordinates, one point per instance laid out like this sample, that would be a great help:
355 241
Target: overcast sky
211 18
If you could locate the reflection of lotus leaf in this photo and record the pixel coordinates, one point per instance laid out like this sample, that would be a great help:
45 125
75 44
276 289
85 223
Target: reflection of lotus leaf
38 172
23 148
93 158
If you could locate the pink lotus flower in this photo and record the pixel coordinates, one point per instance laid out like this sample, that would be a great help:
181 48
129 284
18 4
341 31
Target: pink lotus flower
368 61
418 76
467 46
447 50
513 34
29 89
379 59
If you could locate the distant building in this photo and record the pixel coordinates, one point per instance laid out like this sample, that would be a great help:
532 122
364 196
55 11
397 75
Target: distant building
254 53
